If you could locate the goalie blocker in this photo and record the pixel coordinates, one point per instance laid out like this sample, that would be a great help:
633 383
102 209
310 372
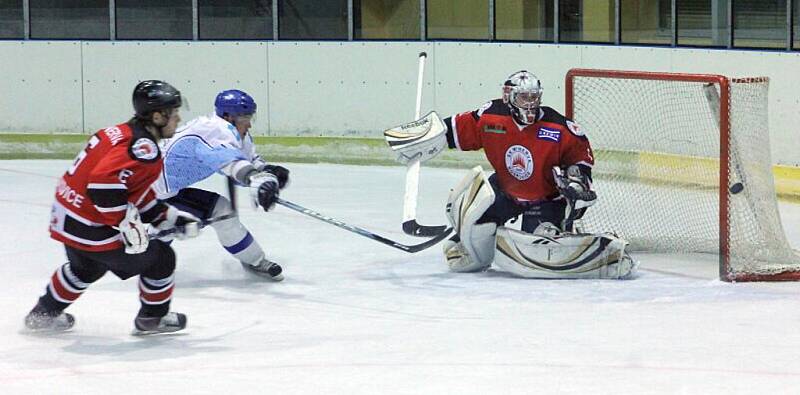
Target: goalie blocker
419 140
545 253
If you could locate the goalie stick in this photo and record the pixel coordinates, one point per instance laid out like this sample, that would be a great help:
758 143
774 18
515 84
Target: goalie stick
410 225
391 243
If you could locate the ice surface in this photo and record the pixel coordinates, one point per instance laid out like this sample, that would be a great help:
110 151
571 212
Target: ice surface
356 317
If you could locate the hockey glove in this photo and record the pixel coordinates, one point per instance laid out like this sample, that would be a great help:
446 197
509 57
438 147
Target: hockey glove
185 224
280 172
134 233
264 188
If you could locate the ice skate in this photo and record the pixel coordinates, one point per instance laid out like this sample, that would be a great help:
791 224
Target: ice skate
42 321
172 322
265 268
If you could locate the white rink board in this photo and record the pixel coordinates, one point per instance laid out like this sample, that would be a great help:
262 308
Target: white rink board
339 88
40 88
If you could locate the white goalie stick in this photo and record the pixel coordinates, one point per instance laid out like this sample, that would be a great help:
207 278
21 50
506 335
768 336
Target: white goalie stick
410 225
391 243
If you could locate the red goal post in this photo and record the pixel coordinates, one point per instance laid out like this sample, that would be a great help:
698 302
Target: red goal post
688 155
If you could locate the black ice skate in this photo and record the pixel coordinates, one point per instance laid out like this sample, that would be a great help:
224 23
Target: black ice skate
265 268
172 322
42 321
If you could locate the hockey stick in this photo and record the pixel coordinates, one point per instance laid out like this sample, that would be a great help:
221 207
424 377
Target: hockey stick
232 193
391 243
410 225
203 224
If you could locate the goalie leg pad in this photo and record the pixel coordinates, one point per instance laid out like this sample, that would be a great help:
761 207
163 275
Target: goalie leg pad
565 256
467 203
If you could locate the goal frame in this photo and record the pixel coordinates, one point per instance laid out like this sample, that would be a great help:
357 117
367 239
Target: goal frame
724 83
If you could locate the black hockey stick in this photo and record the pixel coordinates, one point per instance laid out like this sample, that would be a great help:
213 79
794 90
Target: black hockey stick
391 243
179 228
412 228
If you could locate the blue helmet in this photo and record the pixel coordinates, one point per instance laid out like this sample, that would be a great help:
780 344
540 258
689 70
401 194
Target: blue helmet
234 102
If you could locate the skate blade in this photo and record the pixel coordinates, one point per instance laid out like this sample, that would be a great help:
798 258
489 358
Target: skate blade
139 332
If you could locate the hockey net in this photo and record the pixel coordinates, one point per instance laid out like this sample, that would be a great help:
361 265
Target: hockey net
683 165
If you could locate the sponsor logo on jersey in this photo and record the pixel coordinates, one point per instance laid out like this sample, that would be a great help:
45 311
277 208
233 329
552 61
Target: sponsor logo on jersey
519 162
575 129
549 134
496 129
145 149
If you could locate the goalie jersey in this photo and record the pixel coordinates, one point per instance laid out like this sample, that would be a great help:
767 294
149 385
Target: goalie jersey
522 155
118 167
204 146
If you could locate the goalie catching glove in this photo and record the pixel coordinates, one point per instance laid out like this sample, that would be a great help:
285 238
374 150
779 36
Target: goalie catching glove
575 186
420 140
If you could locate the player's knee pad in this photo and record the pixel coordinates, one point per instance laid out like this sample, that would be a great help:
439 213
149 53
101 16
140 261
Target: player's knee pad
467 203
229 230
566 255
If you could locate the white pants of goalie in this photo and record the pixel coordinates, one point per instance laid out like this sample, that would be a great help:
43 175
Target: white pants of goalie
542 254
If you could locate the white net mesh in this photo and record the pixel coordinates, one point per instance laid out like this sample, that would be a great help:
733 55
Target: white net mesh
657 148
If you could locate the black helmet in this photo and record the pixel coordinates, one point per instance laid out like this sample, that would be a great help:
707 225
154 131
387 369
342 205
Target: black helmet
154 95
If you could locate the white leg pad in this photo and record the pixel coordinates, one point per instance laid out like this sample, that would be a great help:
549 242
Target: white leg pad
567 256
467 203
231 233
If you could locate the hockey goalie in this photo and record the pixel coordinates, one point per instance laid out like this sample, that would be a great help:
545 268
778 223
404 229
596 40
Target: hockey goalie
542 165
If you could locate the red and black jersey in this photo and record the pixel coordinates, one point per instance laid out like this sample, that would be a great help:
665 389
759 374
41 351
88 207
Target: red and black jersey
522 155
117 167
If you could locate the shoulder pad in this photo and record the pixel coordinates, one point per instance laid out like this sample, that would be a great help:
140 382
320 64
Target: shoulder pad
553 116
495 107
575 129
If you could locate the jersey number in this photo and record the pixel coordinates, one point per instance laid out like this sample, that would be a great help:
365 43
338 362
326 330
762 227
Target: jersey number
92 143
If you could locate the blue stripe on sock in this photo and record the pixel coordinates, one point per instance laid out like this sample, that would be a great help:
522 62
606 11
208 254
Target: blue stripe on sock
240 246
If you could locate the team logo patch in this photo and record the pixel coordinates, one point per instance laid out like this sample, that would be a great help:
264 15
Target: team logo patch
144 149
519 162
575 129
549 134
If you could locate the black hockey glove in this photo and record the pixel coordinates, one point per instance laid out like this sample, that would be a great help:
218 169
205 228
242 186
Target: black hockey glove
280 172
264 189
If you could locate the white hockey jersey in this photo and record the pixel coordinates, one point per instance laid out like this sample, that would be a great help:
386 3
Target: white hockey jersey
202 147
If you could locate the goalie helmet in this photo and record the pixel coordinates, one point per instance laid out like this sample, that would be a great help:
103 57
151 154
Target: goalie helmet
522 91
234 102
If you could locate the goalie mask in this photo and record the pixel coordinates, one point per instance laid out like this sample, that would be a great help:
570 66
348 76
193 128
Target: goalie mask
522 91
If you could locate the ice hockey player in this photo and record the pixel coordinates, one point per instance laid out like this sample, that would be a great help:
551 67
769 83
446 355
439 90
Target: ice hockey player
543 171
220 143
101 205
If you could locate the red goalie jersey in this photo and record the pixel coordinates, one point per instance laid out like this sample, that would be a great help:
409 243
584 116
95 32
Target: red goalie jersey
117 167
522 158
